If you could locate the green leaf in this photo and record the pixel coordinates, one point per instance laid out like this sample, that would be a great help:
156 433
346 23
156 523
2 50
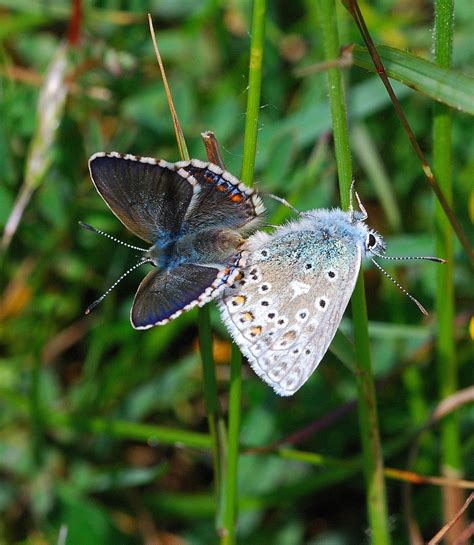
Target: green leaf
446 86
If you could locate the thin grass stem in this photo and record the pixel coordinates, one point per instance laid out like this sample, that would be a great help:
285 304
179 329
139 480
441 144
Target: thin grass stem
446 354
217 425
214 414
247 174
368 419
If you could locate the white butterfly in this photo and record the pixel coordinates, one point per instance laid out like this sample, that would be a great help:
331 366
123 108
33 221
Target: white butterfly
284 309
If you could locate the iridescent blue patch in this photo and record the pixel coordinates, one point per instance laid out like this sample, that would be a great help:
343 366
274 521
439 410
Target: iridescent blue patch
194 216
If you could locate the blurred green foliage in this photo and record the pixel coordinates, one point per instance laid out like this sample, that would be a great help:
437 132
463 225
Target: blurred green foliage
75 391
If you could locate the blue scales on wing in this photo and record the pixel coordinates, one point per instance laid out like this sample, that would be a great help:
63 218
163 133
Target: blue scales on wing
163 294
193 214
144 193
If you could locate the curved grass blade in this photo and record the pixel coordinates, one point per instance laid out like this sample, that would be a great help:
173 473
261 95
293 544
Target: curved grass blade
441 84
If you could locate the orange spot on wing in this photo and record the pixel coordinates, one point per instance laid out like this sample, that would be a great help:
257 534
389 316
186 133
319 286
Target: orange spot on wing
236 198
255 331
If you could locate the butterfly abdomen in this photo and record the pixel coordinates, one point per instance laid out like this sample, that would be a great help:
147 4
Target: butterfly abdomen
210 246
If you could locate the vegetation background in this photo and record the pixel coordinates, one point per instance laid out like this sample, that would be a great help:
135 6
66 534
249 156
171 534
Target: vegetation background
103 429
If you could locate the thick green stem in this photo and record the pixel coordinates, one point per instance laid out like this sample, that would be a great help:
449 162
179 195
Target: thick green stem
247 174
446 357
368 419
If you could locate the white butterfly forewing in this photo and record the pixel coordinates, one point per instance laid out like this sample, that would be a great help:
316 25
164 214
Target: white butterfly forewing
285 310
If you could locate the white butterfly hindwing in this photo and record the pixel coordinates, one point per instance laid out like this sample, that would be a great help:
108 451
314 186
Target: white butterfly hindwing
285 310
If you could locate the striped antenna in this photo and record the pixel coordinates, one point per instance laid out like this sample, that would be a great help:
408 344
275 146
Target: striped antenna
408 258
281 200
126 273
402 289
104 234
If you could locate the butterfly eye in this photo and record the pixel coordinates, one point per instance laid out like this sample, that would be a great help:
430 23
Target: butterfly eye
371 241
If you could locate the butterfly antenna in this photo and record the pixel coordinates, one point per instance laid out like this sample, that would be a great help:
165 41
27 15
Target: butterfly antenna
283 201
408 258
104 295
104 234
402 289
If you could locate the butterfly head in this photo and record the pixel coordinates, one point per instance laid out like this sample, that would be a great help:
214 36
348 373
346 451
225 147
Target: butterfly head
374 243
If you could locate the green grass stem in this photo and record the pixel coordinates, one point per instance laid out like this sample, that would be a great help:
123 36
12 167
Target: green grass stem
446 356
215 419
228 531
247 174
214 415
254 88
368 419
124 429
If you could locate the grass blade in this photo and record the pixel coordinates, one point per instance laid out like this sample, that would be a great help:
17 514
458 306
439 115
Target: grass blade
368 418
183 150
247 175
446 353
214 414
446 86
51 103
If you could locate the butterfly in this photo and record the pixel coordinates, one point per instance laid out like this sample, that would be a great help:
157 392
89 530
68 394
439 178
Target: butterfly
286 304
192 214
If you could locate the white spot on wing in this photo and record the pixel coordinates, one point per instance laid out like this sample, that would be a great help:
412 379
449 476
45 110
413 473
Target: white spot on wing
299 288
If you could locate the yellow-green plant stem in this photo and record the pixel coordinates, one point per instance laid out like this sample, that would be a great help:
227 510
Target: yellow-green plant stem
254 88
228 531
368 419
442 163
215 418
214 415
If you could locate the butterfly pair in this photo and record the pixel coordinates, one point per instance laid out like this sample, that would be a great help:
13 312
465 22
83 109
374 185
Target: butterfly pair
281 295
